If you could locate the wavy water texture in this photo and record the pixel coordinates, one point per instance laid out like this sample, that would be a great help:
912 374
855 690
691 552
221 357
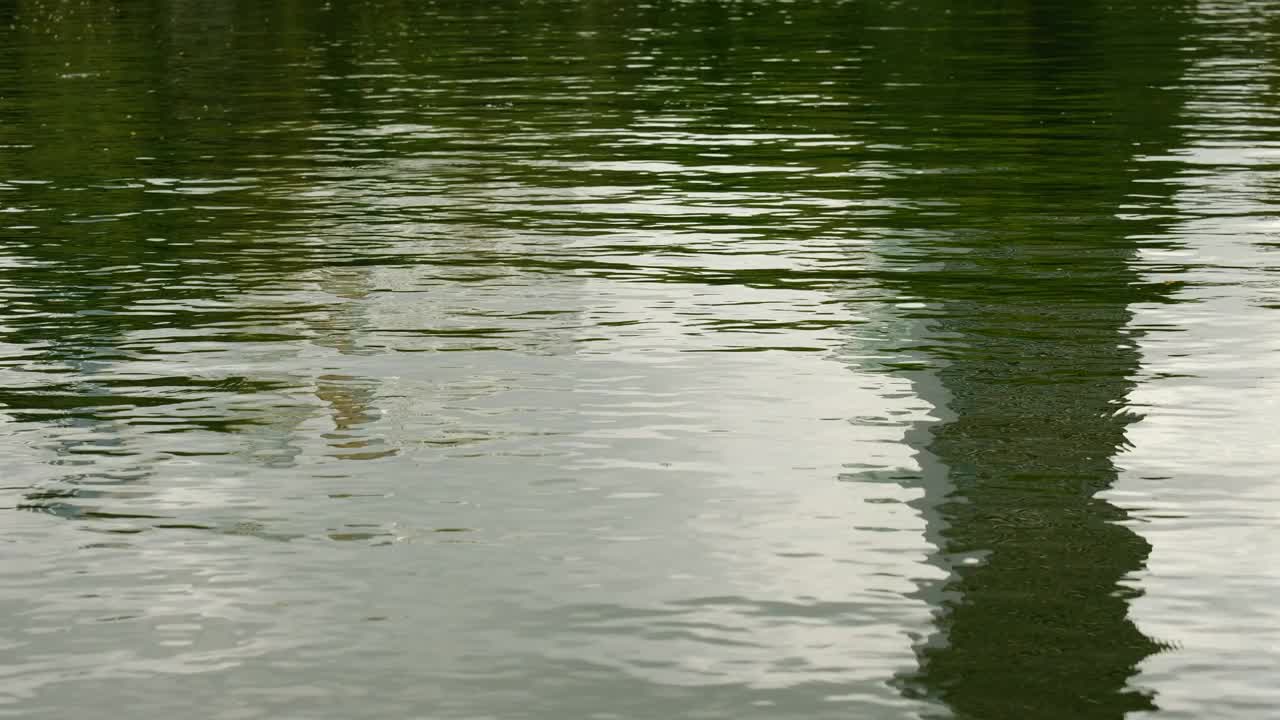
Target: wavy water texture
591 359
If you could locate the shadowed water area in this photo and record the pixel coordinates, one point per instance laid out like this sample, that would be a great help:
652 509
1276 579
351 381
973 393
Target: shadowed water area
590 359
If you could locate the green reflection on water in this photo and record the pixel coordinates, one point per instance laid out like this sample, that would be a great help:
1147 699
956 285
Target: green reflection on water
1047 109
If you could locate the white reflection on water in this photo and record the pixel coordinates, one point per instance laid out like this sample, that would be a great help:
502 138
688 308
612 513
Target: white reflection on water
1200 479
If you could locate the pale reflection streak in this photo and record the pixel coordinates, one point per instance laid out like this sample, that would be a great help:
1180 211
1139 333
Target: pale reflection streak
753 466
662 364
766 537
1201 475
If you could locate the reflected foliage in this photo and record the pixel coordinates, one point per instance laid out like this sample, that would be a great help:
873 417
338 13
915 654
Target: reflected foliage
1032 275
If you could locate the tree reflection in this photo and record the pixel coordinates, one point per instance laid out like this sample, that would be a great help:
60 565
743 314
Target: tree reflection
1028 304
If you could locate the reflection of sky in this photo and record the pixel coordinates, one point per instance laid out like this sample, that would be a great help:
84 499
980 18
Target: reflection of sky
633 470
685 481
744 506
1201 476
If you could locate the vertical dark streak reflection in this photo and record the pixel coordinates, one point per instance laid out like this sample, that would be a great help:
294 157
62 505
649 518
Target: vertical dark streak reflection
1028 303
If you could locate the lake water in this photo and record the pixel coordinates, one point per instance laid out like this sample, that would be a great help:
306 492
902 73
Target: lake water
590 359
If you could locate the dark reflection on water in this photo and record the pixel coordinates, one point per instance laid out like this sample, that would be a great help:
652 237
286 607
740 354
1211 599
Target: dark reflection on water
1035 353
599 359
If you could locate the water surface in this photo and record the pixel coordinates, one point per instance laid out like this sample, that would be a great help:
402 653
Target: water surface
591 359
